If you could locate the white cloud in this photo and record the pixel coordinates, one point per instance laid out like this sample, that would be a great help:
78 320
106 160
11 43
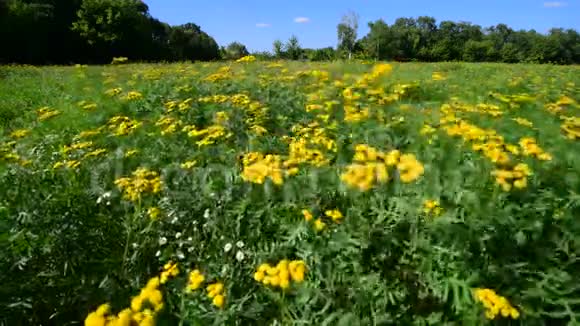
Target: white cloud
263 25
301 20
554 4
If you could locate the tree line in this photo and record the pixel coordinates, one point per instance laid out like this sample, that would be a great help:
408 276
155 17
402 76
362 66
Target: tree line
422 39
95 31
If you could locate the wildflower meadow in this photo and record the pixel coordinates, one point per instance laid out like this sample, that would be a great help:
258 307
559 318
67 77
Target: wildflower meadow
290 193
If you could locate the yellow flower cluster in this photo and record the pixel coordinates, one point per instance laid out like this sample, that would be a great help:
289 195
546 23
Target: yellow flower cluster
531 148
305 147
19 133
76 146
221 118
560 106
46 113
282 274
87 106
153 212
223 73
248 58
432 207
516 177
133 96
95 153
131 152
142 181
401 91
437 76
335 215
168 125
170 270
262 167
299 153
379 70
195 280
182 106
571 127
144 308
495 304
371 167
89 133
209 135
187 165
69 164
119 60
523 122
72 154
480 108
114 91
256 113
121 125
352 110
487 141
513 100
215 291
8 153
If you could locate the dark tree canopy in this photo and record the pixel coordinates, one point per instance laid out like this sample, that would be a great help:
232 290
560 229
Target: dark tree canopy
95 31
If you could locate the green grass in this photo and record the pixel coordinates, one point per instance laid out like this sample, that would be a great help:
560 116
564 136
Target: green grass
70 242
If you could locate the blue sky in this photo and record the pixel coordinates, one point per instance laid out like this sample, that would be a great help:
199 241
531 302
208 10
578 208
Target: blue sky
257 23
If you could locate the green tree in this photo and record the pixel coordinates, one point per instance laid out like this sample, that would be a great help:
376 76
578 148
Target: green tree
115 27
278 48
292 48
235 50
347 32
189 42
378 43
324 54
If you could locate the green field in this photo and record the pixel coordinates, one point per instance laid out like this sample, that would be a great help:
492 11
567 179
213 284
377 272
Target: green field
376 194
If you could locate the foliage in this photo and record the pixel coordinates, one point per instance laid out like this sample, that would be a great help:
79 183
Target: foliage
48 31
288 193
347 33
422 39
235 50
292 49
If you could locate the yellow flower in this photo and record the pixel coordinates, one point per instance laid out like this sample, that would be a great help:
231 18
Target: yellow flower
218 301
297 269
432 207
131 152
142 181
19 133
169 270
153 212
46 113
113 91
195 280
133 96
307 215
523 122
319 225
98 317
334 214
495 304
248 58
188 164
438 76
410 168
268 167
95 153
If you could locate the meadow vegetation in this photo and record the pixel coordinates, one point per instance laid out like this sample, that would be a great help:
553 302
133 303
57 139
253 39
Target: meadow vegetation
282 193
